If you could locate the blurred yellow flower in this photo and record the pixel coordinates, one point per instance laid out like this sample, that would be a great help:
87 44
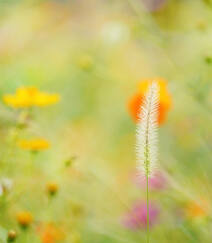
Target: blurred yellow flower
30 96
52 188
36 144
195 210
24 218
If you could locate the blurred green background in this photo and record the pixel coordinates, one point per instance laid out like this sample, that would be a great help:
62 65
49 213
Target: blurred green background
93 54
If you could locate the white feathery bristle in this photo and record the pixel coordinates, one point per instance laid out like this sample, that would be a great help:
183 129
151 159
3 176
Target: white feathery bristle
146 134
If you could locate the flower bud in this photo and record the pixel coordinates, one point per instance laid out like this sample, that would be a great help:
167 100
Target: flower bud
11 236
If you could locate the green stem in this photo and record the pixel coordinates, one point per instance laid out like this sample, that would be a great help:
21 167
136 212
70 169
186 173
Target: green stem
147 200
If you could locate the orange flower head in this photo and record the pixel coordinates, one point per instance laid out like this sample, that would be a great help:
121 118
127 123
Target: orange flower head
51 234
136 101
52 188
24 218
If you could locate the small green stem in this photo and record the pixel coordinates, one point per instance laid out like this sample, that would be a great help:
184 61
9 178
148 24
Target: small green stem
147 200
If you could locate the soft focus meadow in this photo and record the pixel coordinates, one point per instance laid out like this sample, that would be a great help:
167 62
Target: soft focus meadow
73 75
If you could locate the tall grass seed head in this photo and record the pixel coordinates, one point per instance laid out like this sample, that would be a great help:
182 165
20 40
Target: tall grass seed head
146 134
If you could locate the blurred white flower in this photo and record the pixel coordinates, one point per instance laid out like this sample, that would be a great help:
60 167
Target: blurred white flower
115 32
5 185
153 5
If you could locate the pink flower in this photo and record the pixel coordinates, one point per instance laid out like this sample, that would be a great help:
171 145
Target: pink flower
154 5
136 218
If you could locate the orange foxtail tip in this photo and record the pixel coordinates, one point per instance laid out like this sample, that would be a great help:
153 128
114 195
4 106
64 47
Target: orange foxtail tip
137 99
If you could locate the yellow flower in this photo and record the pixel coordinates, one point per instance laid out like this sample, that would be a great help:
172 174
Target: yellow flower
24 218
34 144
22 98
77 209
28 97
45 99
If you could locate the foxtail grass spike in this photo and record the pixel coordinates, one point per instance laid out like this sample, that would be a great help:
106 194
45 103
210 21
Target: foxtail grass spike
146 134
